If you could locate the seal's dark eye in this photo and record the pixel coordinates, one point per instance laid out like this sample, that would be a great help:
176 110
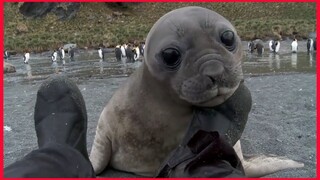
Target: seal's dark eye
171 57
228 39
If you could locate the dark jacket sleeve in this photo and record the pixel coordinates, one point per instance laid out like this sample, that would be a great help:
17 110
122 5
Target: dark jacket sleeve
207 154
207 147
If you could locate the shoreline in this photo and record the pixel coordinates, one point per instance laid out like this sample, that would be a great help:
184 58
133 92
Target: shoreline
287 48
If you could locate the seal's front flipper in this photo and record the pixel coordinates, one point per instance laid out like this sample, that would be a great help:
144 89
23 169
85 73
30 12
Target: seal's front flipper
262 165
101 148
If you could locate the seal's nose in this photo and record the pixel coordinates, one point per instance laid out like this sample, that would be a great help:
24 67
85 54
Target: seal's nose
212 69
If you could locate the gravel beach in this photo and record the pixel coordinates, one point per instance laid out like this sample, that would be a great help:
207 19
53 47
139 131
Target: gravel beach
282 120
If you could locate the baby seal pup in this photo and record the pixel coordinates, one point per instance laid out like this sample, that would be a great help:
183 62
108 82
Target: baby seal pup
192 58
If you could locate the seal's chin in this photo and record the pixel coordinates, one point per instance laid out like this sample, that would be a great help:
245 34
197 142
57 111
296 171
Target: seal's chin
222 95
209 98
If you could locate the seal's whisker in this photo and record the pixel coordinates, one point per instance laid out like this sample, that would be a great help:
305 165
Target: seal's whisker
178 28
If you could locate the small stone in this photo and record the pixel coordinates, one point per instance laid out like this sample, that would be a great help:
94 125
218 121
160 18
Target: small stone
116 13
8 68
22 28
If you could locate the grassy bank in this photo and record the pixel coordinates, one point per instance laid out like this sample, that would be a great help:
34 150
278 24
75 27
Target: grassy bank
97 23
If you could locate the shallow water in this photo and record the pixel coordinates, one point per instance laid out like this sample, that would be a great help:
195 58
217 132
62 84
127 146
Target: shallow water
302 62
87 65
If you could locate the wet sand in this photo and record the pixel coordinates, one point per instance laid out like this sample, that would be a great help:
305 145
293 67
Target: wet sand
282 120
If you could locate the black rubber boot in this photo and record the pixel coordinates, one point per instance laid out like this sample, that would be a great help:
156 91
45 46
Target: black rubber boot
60 114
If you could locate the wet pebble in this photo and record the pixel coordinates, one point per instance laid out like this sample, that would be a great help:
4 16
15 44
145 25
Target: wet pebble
7 128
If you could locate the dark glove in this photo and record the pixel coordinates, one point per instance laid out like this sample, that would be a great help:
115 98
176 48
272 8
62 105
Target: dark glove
206 155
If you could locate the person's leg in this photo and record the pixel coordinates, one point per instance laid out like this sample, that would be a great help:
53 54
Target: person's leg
61 125
52 160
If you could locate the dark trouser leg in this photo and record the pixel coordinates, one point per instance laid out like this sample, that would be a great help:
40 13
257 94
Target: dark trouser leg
52 160
61 125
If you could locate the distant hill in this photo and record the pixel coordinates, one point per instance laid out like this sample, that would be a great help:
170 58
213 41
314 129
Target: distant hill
111 23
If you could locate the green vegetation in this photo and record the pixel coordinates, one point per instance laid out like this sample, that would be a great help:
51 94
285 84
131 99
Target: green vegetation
97 23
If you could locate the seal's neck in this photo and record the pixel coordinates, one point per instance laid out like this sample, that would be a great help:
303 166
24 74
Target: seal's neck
158 91
154 98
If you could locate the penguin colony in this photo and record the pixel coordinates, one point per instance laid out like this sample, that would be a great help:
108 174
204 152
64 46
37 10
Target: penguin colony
129 53
274 45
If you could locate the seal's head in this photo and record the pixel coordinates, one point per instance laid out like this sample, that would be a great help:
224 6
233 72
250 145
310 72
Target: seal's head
198 52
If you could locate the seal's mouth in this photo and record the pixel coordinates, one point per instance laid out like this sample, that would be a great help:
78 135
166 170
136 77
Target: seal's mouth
215 83
216 80
210 97
205 91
